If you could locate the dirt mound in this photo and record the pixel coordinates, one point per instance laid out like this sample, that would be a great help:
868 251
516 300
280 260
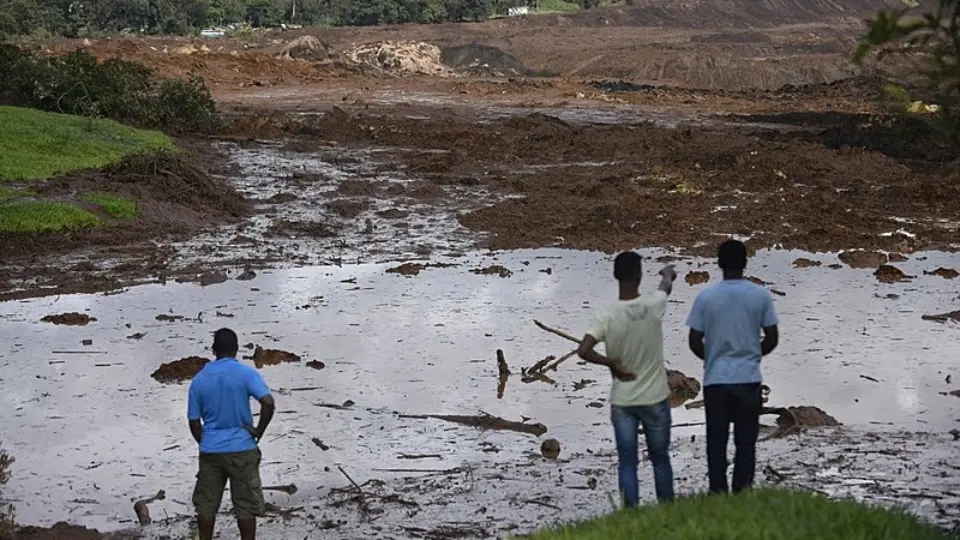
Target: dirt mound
682 388
401 57
272 357
493 270
481 60
180 370
724 14
889 274
309 48
863 259
696 278
803 262
69 319
66 531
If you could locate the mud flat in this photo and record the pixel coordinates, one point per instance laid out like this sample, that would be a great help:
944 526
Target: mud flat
397 345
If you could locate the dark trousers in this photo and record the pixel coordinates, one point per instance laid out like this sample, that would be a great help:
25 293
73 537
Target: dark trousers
740 405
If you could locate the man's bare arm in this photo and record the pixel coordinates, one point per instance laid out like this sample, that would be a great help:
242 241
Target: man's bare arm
771 338
587 351
695 341
267 408
196 429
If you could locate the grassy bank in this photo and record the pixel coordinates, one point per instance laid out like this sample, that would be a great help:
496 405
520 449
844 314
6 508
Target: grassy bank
37 145
758 515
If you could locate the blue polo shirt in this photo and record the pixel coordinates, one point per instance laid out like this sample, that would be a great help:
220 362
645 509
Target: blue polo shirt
220 396
732 315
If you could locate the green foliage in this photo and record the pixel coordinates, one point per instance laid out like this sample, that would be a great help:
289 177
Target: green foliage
36 144
113 205
934 37
124 91
75 19
757 515
44 216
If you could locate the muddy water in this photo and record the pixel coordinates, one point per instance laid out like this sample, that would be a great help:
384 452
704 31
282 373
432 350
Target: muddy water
92 431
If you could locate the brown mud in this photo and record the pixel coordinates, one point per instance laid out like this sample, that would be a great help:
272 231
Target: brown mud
272 357
69 319
180 370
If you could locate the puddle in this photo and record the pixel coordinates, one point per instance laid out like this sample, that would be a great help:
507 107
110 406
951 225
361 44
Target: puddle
90 424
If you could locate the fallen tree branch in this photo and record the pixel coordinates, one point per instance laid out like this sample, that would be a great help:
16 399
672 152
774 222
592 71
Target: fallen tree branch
554 331
485 421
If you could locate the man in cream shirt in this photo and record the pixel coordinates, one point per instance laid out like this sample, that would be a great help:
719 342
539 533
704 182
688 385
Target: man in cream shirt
632 333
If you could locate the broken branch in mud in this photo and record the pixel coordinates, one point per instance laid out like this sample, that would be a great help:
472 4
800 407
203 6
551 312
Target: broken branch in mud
485 421
289 489
419 456
360 493
554 331
140 507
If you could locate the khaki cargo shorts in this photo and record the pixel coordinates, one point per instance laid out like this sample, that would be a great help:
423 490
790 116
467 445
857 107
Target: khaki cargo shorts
243 471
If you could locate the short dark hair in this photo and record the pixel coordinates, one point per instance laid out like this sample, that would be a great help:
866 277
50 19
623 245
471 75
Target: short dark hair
627 266
225 343
732 255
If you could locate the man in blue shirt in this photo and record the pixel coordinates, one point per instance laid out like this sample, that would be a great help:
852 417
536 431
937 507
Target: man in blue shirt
218 410
725 325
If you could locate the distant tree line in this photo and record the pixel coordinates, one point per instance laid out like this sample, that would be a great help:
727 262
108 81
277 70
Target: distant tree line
82 18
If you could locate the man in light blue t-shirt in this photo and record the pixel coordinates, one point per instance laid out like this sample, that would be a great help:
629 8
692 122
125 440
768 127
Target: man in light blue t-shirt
218 410
725 326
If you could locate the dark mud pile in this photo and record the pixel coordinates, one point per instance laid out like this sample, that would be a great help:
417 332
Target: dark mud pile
481 60
69 319
610 187
180 370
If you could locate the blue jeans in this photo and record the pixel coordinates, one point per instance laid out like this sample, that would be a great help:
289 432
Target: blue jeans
656 421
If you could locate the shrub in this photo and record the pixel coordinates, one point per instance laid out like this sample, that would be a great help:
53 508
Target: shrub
124 91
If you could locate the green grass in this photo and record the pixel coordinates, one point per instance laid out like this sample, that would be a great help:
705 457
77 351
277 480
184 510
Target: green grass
35 144
43 216
759 515
114 205
557 6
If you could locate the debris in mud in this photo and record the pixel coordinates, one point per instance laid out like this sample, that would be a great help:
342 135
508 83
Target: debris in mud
503 374
401 57
69 319
550 449
282 197
247 275
346 208
793 420
163 317
696 278
87 342
484 421
889 274
180 370
548 271
356 188
897 257
943 317
212 278
494 270
806 263
863 259
320 444
682 388
412 269
581 384
947 273
271 357
138 336
141 509
294 229
346 405
623 86
315 364
757 281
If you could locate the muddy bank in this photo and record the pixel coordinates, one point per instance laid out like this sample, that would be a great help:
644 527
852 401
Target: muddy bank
175 196
587 186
